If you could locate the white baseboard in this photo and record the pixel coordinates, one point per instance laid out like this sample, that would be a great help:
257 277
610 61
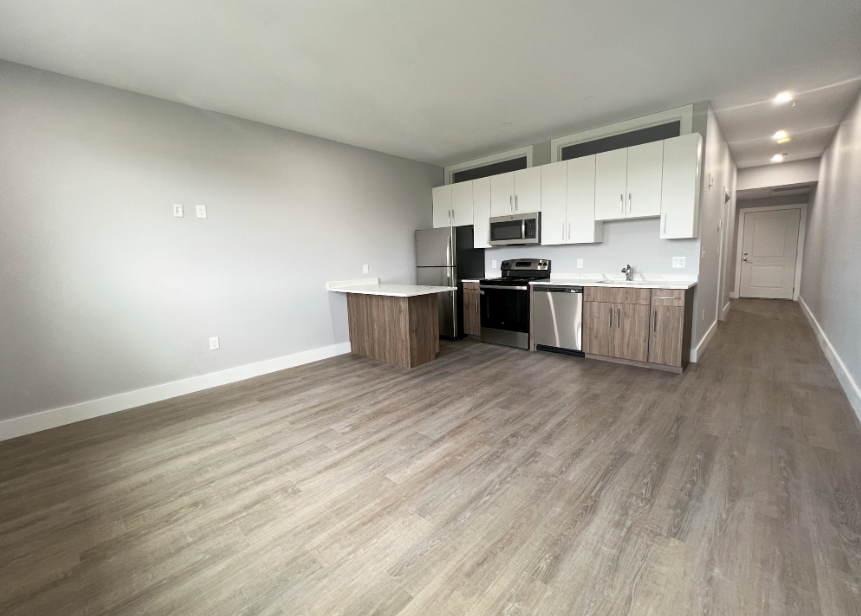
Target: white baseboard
44 420
733 295
725 311
698 351
853 392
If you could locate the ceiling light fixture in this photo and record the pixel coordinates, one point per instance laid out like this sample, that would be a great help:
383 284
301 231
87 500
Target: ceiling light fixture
783 97
781 134
777 158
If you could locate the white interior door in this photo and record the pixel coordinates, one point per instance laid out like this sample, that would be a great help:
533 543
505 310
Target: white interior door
769 249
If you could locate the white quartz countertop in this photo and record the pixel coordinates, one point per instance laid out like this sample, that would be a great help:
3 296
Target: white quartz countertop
636 284
372 286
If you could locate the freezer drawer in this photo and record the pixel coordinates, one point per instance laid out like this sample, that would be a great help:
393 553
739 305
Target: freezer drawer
558 318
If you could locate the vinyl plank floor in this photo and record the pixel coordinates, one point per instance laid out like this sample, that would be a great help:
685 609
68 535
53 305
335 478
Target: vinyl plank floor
491 481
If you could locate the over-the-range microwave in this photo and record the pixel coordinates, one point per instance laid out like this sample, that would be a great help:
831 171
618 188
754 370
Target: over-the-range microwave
515 229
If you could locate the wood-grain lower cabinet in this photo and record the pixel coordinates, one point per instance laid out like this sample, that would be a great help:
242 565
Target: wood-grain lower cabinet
630 338
671 321
471 309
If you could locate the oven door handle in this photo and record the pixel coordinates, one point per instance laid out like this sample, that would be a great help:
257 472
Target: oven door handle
490 286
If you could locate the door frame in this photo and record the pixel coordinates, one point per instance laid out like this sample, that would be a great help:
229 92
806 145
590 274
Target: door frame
799 249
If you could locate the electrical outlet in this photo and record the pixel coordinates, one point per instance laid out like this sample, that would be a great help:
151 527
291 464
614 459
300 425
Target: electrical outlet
579 263
678 262
493 264
177 210
201 211
214 344
365 268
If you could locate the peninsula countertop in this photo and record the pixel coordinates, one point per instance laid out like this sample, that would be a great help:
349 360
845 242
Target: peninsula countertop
372 286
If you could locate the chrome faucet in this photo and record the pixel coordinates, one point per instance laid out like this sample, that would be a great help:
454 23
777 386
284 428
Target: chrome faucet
629 272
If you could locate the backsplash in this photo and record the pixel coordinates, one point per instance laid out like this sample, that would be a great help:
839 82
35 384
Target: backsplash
627 241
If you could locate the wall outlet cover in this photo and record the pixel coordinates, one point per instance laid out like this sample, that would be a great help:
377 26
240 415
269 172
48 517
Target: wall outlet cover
214 344
177 210
493 263
201 211
365 268
579 263
678 262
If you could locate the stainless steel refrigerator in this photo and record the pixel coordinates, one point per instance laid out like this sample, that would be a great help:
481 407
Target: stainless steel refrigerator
444 257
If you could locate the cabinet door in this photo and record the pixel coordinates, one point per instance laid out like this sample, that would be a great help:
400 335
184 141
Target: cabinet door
645 163
597 324
461 204
611 181
630 336
665 340
680 190
481 212
554 182
502 194
471 313
442 206
582 227
527 190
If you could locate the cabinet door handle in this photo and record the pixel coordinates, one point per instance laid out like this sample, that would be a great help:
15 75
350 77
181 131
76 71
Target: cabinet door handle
655 321
618 317
665 224
563 230
569 230
611 318
629 203
666 297
621 204
510 203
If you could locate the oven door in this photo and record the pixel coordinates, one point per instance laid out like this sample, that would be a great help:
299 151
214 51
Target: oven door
505 315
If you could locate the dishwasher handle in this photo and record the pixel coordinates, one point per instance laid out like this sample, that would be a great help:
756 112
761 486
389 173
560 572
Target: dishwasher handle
556 289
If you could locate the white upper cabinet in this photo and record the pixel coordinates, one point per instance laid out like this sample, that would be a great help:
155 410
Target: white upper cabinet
461 204
680 194
442 206
582 227
645 163
527 190
611 184
481 212
554 196
502 194
568 203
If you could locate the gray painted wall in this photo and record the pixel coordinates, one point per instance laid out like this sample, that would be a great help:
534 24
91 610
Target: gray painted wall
784 174
830 284
104 291
714 215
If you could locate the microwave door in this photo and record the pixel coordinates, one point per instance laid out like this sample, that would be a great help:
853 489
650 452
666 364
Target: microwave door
506 231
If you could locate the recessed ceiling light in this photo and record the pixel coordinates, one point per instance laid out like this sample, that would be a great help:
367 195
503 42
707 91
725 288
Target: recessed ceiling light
777 158
783 97
781 134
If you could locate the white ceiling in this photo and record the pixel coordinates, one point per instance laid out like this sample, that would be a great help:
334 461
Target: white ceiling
446 80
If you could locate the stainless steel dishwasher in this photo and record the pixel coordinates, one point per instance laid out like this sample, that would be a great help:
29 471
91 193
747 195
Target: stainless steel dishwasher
558 319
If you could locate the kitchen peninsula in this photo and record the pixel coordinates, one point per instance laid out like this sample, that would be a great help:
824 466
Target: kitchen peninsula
394 323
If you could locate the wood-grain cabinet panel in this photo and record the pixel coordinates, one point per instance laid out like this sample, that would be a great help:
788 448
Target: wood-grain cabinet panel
617 295
471 309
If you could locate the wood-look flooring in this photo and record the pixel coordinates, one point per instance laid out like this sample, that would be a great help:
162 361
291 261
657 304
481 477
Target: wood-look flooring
491 481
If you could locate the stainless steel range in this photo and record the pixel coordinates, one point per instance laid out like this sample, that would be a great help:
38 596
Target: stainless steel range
505 302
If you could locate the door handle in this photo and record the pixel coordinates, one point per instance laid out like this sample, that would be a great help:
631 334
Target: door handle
621 204
629 203
655 321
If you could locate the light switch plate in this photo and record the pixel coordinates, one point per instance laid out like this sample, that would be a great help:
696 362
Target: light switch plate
365 268
678 262
201 211
214 343
579 263
177 210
